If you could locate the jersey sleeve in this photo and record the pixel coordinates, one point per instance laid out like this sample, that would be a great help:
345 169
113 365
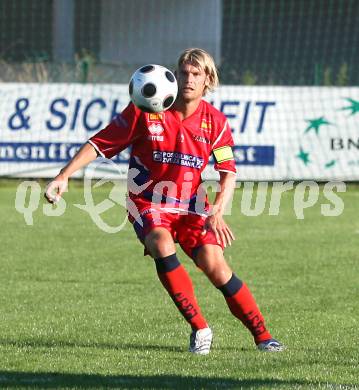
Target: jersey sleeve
222 150
120 133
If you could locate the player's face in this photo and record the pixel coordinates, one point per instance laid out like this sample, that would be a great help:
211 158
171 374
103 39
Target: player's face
191 82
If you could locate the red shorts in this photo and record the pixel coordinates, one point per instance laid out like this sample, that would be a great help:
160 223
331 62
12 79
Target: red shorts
186 229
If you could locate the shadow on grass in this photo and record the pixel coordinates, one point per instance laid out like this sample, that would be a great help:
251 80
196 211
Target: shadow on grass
97 345
49 380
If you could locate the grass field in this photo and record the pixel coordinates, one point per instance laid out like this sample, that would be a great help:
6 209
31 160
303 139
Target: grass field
80 308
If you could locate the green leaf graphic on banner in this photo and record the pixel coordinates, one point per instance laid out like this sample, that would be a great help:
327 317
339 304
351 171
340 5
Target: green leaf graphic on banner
304 156
330 164
314 124
354 107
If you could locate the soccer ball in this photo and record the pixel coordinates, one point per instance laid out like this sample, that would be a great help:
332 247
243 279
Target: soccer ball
153 88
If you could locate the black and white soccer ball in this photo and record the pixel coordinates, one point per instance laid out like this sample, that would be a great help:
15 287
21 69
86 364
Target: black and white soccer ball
153 88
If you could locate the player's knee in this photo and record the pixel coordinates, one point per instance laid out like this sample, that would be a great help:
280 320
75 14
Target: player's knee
214 266
159 243
208 267
218 274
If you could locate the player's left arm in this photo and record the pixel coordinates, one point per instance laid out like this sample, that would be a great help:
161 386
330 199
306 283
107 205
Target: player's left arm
215 220
224 163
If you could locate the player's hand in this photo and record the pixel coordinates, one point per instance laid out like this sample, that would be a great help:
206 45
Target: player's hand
217 225
56 188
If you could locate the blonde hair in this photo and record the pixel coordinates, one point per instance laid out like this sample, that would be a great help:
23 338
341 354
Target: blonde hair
201 59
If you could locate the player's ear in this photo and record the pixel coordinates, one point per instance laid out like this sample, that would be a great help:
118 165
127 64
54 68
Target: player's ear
207 81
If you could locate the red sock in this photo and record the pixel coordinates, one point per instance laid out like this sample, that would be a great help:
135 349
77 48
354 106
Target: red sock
243 306
178 284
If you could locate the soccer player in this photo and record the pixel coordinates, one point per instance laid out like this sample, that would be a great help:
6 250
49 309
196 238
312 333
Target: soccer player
168 204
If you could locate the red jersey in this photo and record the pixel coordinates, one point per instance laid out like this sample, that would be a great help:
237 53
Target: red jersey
168 154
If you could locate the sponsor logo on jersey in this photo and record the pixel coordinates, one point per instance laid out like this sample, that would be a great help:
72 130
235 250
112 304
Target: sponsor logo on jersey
156 130
199 138
206 125
156 117
178 158
155 138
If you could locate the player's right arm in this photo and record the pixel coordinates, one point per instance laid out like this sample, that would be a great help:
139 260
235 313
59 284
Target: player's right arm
59 184
117 136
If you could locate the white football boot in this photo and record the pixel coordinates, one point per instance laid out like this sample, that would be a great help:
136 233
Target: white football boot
200 341
271 345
